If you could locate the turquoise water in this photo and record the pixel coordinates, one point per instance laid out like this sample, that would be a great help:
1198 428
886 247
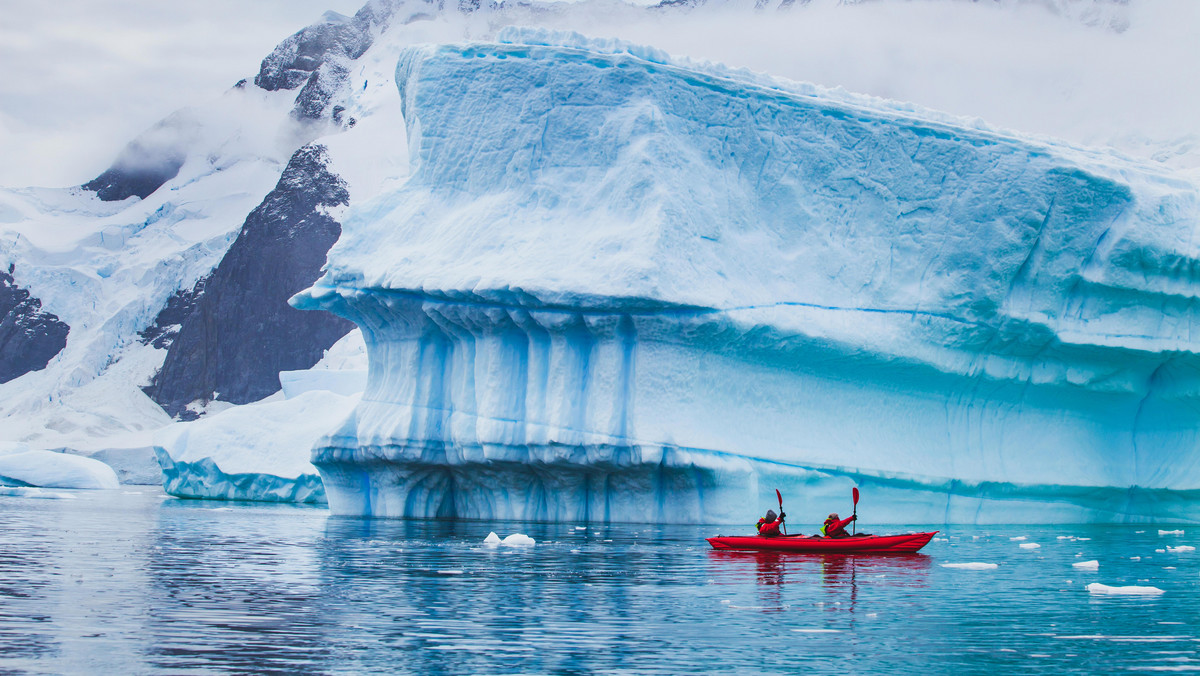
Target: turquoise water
129 582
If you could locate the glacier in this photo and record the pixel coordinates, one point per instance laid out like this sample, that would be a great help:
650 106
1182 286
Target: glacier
621 286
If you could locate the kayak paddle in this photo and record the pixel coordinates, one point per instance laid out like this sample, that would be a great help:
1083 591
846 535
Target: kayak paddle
780 496
855 494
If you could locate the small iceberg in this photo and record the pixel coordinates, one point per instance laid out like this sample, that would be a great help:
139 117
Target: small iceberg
1086 565
1029 545
1019 538
973 565
47 469
1181 548
1097 588
514 540
1170 532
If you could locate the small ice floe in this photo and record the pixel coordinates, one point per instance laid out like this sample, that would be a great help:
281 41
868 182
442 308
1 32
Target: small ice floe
1086 565
452 571
1169 532
1097 588
514 540
940 540
1181 548
1019 538
580 527
1029 545
1168 567
1065 537
973 565
1135 558
1082 539
1160 551
33 492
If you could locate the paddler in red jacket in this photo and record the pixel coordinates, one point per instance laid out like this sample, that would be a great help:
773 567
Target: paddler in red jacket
835 527
768 526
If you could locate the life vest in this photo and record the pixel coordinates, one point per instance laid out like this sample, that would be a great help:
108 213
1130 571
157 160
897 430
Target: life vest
827 523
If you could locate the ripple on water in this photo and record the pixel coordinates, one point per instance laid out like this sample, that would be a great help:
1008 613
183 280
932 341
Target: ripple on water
124 582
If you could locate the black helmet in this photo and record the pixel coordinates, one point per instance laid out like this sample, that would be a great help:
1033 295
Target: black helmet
771 515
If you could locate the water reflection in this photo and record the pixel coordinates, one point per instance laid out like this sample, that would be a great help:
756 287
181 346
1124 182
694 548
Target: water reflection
113 584
839 576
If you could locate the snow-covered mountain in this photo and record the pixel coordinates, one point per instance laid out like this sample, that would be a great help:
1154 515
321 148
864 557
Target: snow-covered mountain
168 273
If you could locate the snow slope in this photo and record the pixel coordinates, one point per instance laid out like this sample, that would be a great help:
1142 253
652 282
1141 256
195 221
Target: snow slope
622 286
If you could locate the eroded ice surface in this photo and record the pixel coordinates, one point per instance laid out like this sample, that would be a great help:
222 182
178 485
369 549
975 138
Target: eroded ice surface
621 287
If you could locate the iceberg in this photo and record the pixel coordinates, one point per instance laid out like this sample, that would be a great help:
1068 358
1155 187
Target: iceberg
47 469
254 452
619 286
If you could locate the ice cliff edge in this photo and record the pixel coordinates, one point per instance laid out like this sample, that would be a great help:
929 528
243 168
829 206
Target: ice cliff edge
622 287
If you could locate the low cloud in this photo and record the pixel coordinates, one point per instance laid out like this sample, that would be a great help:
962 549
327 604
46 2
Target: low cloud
84 78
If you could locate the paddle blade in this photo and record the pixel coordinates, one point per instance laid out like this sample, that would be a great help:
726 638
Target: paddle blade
780 496
856 496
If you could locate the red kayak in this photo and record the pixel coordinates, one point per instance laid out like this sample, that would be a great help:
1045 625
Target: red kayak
872 544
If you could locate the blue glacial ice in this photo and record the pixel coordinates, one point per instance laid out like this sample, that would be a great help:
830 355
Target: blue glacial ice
258 451
622 287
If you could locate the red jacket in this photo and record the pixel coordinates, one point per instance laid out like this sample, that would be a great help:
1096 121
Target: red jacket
837 529
769 529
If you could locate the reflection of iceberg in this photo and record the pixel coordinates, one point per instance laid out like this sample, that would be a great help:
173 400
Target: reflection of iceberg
618 287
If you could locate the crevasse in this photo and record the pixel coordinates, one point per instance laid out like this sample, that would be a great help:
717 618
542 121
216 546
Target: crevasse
623 287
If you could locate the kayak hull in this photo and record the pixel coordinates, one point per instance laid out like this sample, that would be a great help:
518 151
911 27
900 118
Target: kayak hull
867 544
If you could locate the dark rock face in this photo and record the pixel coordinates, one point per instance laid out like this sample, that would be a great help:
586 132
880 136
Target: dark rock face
241 332
297 58
170 319
29 338
149 161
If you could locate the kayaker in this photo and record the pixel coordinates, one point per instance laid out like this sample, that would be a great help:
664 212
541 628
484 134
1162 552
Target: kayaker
768 526
835 527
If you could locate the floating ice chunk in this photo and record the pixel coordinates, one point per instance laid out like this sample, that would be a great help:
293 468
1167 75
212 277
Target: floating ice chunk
453 571
1082 539
580 527
1019 538
492 539
1086 565
1097 588
1169 532
1181 548
518 540
1135 558
1168 567
1029 545
29 492
56 470
1160 551
973 565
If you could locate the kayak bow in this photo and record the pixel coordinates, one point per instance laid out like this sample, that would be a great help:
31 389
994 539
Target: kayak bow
867 544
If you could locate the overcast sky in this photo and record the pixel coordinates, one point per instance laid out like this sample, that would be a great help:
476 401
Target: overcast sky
83 77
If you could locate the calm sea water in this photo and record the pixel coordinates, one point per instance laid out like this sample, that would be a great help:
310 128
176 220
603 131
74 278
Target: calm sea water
135 582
